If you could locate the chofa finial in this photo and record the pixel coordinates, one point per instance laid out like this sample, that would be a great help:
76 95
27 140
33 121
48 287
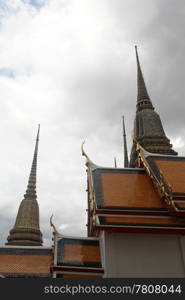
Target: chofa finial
88 160
52 225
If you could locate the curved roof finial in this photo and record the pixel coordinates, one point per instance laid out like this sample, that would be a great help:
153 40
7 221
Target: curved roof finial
88 160
52 225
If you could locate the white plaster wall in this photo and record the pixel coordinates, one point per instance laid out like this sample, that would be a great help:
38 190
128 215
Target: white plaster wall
143 255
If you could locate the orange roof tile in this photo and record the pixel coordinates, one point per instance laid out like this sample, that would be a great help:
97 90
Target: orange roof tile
174 173
180 205
25 264
129 190
81 253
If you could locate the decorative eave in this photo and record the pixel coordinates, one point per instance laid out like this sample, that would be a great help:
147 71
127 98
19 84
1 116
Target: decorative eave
163 188
90 164
91 167
90 191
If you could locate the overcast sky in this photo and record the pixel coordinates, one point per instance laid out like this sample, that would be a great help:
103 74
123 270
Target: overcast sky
70 66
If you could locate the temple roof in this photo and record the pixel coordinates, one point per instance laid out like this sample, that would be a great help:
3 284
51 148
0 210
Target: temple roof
78 252
172 168
76 257
25 261
146 199
124 188
167 173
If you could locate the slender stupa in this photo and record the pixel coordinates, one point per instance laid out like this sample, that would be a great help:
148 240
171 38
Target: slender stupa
115 162
26 231
148 129
126 162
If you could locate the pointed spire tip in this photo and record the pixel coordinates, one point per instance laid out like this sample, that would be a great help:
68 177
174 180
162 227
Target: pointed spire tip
137 56
126 162
142 93
38 132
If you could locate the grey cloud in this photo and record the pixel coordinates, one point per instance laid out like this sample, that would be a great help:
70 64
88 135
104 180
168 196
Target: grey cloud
79 89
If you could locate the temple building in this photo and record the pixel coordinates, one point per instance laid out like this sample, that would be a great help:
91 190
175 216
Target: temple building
135 214
76 257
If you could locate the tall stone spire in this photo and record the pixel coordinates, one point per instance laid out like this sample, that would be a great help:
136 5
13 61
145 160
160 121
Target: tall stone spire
126 163
26 231
143 99
148 129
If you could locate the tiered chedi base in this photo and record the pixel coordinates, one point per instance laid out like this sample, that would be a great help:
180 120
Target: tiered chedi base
26 231
25 237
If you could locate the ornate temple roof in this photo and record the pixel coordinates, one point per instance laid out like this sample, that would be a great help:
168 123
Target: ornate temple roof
173 170
76 257
167 173
146 199
124 188
78 252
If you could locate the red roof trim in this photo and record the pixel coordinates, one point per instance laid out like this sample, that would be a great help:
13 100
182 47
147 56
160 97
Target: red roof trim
132 212
176 197
76 269
141 212
141 229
